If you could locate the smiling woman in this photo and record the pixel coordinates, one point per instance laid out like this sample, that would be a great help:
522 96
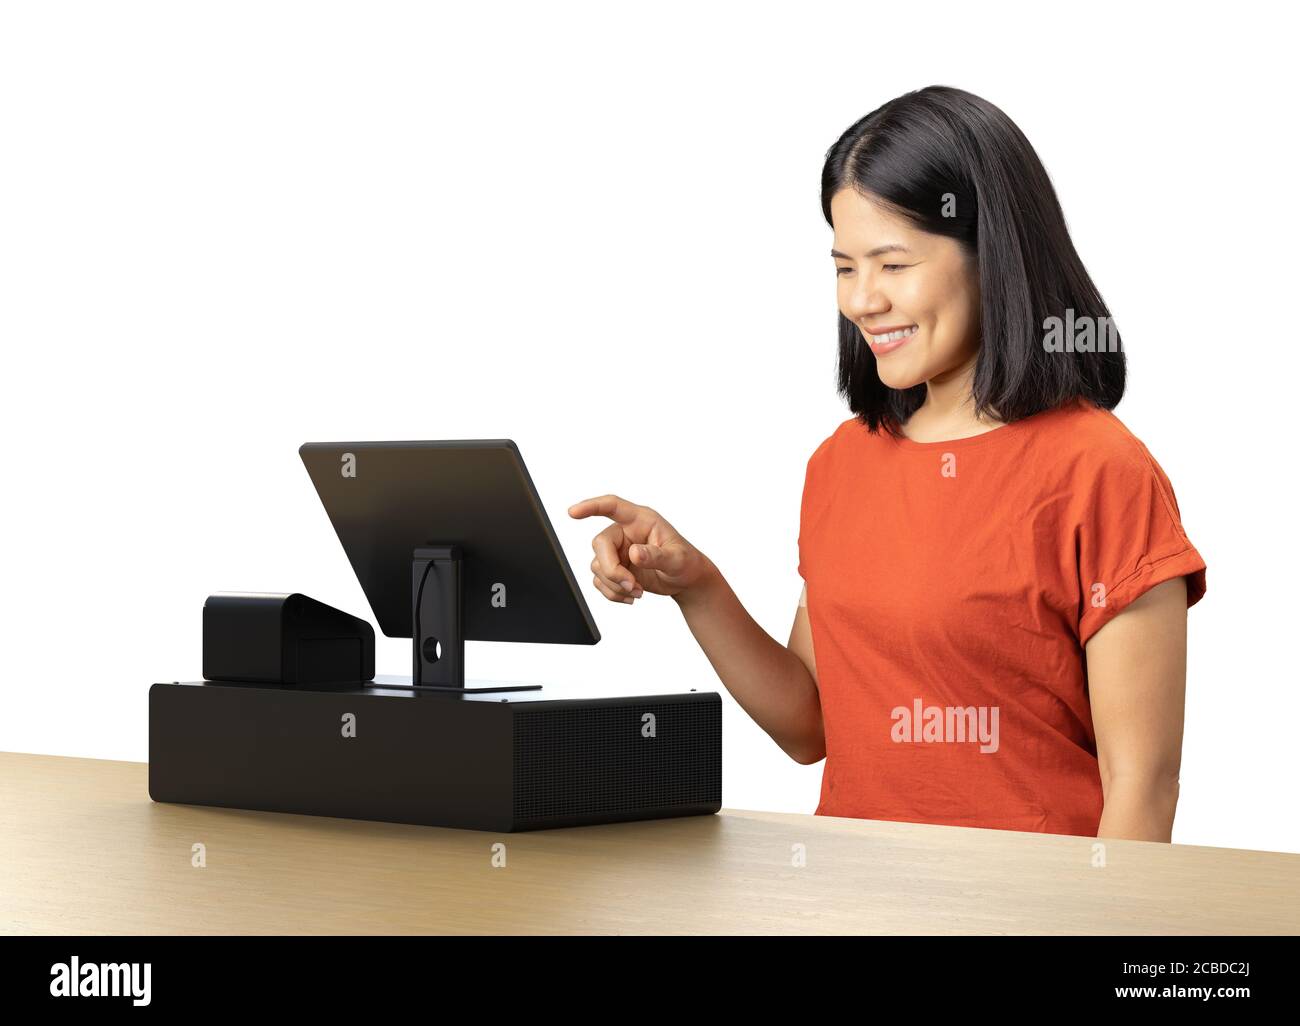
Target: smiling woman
984 534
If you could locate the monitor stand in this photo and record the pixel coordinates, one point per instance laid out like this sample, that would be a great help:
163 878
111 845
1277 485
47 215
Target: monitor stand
437 623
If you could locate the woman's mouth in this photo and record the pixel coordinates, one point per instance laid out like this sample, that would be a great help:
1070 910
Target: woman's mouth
889 339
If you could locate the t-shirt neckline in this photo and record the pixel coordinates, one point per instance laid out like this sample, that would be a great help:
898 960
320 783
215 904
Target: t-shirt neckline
1000 433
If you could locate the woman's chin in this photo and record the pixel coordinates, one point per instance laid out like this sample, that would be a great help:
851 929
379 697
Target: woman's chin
898 377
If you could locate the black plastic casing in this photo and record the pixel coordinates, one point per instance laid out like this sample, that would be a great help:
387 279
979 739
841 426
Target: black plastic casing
284 639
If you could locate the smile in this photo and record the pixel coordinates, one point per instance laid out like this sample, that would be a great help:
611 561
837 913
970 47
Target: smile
890 340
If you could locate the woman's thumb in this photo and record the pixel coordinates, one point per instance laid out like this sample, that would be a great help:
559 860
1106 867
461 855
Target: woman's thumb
652 557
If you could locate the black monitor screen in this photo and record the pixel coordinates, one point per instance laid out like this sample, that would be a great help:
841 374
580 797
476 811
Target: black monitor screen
386 499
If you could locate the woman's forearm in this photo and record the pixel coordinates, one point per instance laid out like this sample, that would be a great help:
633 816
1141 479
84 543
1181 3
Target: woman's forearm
1139 809
766 679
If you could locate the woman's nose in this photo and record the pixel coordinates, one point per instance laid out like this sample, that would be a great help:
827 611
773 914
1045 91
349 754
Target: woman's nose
865 300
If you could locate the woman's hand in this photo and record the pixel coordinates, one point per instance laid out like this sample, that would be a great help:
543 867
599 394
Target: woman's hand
640 551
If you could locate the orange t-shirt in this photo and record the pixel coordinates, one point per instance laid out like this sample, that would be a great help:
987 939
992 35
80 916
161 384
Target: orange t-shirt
951 587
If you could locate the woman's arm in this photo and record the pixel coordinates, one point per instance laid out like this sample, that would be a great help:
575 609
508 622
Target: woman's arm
770 681
1137 668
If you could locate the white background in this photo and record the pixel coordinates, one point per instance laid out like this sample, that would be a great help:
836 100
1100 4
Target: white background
229 228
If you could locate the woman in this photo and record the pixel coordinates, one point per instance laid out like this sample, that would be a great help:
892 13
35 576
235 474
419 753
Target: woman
992 630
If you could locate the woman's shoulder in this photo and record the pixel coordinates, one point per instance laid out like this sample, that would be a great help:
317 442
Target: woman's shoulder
847 430
1089 436
1088 452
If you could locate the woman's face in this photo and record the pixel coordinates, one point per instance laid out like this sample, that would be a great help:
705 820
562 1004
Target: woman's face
894 277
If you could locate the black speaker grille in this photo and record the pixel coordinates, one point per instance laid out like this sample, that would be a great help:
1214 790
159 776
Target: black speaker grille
569 762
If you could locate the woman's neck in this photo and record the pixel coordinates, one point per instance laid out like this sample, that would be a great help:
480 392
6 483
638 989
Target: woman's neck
948 412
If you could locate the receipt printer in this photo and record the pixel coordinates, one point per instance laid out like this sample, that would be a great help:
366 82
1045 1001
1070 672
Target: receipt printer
284 639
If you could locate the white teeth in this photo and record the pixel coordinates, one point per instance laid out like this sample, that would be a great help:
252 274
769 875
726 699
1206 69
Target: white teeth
894 336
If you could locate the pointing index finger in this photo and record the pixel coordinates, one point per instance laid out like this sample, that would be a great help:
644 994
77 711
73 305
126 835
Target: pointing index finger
617 509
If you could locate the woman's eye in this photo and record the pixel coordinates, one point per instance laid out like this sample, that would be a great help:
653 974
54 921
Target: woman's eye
888 267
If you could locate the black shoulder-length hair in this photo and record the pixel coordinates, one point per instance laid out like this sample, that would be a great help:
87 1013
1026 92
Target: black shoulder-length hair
952 164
